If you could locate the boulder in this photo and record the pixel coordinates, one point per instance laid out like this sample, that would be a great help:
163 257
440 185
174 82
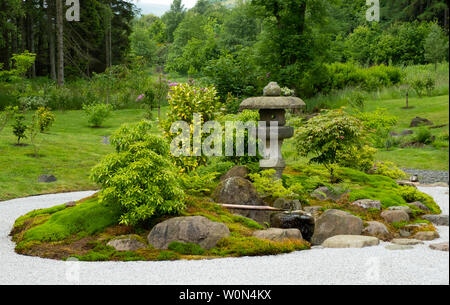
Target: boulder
313 210
46 178
272 89
391 216
70 204
399 247
376 229
277 234
420 205
350 241
414 178
237 190
296 220
127 243
237 171
404 233
336 222
418 121
407 209
426 235
286 204
439 220
406 242
367 204
440 246
190 229
324 193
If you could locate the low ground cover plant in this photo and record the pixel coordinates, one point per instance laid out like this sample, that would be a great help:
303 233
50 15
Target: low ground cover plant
97 113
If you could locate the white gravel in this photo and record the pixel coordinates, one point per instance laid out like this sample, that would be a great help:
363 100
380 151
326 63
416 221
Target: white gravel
373 265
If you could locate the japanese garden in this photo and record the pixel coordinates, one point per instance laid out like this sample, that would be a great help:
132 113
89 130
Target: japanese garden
344 154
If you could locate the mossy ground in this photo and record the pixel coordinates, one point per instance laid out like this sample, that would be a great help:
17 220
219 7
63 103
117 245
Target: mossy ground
84 230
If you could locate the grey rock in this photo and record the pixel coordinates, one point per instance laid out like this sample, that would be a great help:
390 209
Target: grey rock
398 247
272 89
336 222
350 241
277 234
376 229
296 220
439 220
404 233
70 204
419 205
237 190
406 242
47 178
367 204
237 171
190 229
407 209
286 204
414 178
418 121
440 246
391 216
127 243
426 235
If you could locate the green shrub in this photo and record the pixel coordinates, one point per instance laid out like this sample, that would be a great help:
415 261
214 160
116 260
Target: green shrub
388 169
423 135
97 113
19 127
139 176
185 100
186 248
330 137
411 194
45 118
195 184
266 184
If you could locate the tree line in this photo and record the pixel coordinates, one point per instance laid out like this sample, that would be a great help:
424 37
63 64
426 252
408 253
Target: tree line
40 27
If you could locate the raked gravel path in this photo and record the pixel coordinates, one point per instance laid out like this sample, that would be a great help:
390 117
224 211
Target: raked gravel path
373 265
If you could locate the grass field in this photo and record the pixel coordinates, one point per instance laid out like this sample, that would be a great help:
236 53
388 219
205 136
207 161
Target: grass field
68 151
436 109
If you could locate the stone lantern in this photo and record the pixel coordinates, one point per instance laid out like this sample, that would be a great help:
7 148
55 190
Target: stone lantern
272 108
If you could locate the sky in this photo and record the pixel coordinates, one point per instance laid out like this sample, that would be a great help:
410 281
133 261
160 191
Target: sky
158 7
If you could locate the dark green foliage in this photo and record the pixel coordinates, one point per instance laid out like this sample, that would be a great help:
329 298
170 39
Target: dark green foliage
186 248
19 127
423 135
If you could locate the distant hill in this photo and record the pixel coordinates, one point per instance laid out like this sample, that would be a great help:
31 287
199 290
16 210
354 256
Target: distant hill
160 9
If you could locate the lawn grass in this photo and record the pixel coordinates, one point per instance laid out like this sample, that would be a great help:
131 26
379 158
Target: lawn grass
436 109
68 150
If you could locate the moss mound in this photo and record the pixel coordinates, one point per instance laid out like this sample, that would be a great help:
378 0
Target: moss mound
84 230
